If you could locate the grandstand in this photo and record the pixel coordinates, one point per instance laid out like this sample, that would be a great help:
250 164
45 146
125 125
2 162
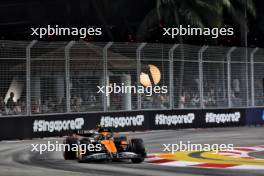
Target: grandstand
62 77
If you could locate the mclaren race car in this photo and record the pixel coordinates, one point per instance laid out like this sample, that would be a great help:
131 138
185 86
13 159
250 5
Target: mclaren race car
101 145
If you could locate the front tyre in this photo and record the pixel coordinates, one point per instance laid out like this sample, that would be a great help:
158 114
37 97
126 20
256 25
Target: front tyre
70 154
83 150
137 146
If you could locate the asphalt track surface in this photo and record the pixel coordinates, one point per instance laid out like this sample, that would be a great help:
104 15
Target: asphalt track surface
17 159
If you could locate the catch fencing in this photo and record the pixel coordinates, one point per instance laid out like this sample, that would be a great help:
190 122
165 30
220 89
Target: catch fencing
63 77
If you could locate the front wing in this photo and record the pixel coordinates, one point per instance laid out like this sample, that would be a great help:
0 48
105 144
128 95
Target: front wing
108 156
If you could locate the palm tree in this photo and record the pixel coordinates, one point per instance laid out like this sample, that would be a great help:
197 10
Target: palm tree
198 13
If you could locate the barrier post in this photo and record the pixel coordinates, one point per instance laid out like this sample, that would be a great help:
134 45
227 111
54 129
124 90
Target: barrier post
139 49
67 75
105 97
229 91
252 54
171 58
28 70
200 57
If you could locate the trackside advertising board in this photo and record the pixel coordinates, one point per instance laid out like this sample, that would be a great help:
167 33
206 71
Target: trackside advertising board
175 119
255 116
58 125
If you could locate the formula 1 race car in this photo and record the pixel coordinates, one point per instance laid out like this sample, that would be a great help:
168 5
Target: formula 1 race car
103 146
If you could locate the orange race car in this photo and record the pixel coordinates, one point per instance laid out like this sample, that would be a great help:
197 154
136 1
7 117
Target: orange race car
101 145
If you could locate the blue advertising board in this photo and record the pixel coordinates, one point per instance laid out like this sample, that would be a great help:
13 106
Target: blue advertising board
255 116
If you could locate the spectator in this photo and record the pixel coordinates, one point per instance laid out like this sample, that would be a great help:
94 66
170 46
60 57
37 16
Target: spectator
18 108
51 104
76 103
165 101
195 100
182 102
236 100
11 104
45 107
2 106
57 105
92 100
35 107
23 107
63 105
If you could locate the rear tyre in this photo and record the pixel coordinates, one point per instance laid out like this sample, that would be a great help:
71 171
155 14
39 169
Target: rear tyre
83 150
137 146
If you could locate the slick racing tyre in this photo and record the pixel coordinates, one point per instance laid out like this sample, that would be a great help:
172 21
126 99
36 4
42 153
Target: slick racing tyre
137 146
82 151
70 154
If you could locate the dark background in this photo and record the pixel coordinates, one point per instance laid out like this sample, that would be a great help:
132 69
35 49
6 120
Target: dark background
120 20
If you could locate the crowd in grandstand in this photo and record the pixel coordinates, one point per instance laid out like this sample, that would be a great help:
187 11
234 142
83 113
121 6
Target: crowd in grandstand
212 97
58 105
190 98
157 101
11 107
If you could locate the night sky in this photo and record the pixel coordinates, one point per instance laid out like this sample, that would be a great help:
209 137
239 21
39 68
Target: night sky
119 19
